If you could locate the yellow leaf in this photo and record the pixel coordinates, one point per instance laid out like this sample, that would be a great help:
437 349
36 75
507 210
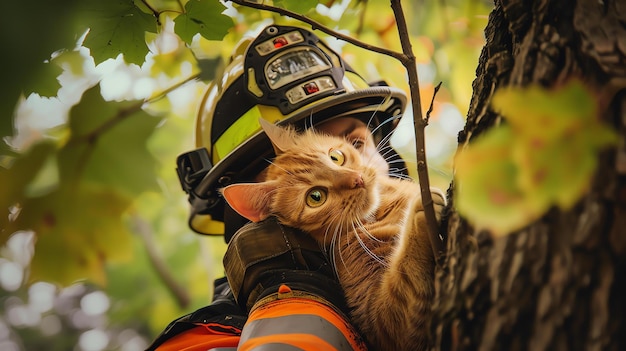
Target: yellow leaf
78 231
488 193
544 155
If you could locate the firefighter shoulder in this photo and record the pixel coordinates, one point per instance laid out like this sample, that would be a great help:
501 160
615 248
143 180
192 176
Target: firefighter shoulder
280 280
279 276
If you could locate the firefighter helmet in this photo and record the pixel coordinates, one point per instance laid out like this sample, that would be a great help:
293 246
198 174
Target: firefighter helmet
284 75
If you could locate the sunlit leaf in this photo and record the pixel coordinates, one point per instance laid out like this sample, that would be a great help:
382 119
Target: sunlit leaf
117 27
78 229
557 138
108 145
487 189
72 61
15 179
298 6
170 62
204 17
549 151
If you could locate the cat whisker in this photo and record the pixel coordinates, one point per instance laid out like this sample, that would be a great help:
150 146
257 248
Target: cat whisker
365 231
401 175
388 120
388 156
369 122
278 166
366 248
337 249
433 169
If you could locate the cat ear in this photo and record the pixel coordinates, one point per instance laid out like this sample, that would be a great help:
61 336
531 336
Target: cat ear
251 200
280 137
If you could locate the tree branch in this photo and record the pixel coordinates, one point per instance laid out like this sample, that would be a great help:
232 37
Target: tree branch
315 25
178 291
419 123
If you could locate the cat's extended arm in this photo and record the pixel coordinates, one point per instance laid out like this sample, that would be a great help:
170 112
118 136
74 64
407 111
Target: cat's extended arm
395 308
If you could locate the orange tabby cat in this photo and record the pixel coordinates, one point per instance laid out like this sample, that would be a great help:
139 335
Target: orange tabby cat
372 225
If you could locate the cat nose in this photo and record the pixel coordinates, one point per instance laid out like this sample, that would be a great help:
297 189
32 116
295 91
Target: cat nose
350 180
358 182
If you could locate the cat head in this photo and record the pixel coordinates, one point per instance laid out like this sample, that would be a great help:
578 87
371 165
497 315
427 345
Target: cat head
317 182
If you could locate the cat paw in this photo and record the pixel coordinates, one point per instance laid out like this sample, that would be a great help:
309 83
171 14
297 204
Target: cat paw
439 201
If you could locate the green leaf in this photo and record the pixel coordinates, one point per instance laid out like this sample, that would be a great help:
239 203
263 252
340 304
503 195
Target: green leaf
170 62
30 32
297 6
204 17
108 145
208 67
72 60
117 27
46 83
488 193
15 180
545 156
78 230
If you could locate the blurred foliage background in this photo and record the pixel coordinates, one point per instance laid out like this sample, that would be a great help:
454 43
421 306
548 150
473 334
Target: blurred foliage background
99 97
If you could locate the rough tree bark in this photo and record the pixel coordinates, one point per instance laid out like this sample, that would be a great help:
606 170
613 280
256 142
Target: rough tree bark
559 284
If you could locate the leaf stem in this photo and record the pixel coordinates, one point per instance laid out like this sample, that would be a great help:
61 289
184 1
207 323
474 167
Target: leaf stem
155 13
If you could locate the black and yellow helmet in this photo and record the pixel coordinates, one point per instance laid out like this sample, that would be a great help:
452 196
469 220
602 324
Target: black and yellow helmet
284 75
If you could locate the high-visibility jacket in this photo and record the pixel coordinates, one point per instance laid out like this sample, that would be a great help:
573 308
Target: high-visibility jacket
286 320
279 275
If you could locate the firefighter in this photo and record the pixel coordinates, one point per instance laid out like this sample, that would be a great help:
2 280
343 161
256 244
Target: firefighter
280 292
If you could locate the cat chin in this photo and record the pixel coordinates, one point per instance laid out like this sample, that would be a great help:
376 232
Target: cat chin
366 205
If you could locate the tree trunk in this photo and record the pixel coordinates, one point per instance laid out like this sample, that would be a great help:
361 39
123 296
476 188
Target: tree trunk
559 284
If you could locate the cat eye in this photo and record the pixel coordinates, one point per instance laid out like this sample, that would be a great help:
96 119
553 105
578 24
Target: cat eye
316 197
337 156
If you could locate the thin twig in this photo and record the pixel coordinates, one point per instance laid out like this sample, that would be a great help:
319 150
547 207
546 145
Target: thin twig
319 26
146 234
432 102
419 123
155 13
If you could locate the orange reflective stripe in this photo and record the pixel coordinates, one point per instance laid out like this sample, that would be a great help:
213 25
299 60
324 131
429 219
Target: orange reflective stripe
279 342
301 316
199 338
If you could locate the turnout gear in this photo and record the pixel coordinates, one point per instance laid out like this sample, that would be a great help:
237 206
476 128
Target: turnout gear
265 255
280 279
284 75
216 325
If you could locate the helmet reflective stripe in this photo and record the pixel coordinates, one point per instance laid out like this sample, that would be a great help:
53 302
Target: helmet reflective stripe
248 124
243 128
